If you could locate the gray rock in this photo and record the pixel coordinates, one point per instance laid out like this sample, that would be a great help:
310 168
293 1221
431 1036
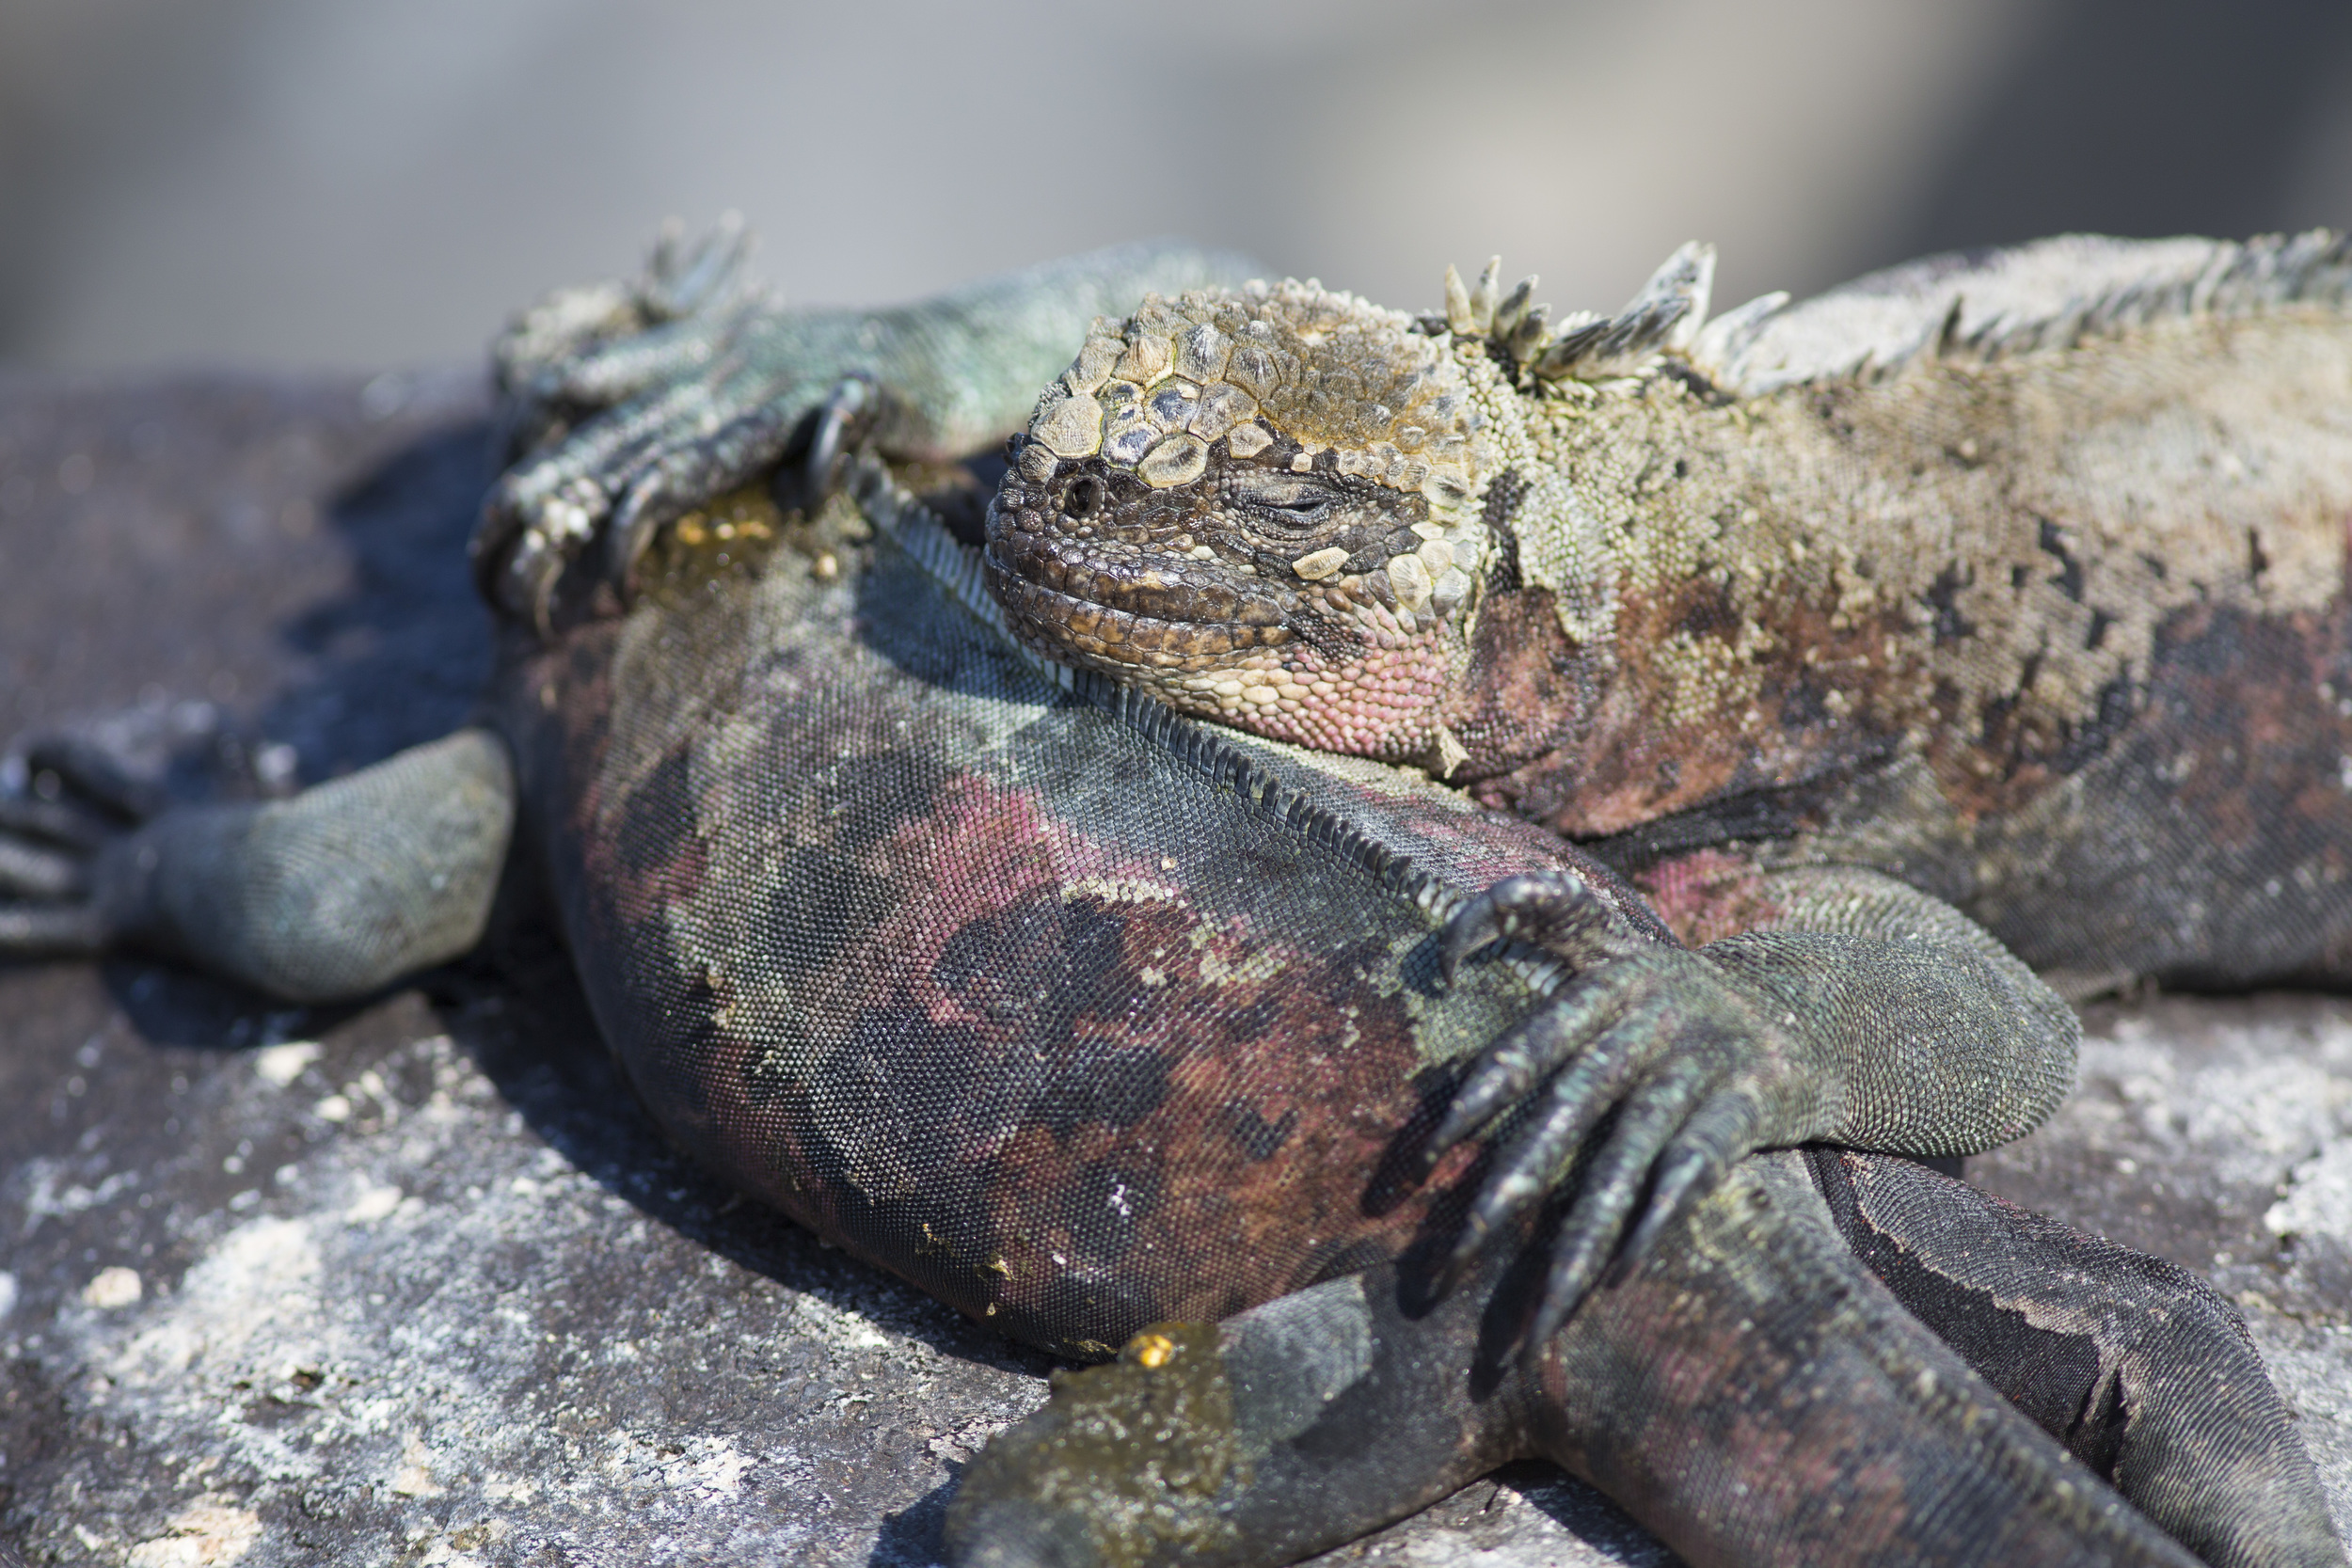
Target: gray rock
415 1282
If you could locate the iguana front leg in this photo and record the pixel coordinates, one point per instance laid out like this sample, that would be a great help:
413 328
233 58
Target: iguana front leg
652 396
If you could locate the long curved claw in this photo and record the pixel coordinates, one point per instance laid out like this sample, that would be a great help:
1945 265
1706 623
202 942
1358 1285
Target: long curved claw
1550 910
708 274
1508 1069
49 845
675 418
1477 924
530 580
645 507
548 510
49 822
1610 1187
622 475
520 553
673 483
31 871
848 410
1687 1173
52 931
1531 1166
522 519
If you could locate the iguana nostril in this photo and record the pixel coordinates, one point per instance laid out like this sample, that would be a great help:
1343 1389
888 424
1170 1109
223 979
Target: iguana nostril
1086 497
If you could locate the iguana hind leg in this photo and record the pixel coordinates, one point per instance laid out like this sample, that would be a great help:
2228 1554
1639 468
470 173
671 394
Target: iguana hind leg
1751 1393
327 895
1292 1428
2138 1366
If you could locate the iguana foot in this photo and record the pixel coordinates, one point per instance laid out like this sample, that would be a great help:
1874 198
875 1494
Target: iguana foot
79 797
322 897
1695 1067
641 401
1876 1016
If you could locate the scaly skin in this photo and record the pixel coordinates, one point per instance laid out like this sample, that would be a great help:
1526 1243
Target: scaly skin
958 972
2042 610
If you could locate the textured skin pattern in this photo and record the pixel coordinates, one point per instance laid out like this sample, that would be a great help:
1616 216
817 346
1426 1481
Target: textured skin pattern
1754 1395
621 371
2084 1367
882 938
2040 608
326 897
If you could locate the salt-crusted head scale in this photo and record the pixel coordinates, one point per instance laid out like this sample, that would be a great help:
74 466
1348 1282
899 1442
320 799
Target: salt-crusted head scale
1333 372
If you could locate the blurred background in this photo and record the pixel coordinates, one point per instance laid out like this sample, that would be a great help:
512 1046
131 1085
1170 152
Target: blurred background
350 183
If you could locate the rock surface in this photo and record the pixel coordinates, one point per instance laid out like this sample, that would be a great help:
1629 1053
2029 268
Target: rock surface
415 1283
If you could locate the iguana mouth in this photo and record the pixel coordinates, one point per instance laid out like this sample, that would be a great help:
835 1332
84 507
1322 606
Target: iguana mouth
1146 609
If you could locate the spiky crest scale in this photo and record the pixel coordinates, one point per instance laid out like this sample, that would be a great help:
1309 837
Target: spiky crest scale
1989 304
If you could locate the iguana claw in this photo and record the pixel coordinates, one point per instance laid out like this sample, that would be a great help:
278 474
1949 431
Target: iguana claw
632 383
631 404
1694 1066
49 845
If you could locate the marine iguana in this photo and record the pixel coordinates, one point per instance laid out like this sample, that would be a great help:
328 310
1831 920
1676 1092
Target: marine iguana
2019 576
851 888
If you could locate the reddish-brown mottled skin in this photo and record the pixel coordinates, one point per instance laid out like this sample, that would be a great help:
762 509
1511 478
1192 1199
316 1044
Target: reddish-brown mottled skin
1242 1091
2221 767
990 1002
1592 747
2049 619
1748 1398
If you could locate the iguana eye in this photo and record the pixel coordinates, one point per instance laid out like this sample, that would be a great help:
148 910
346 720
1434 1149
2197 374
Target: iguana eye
1284 499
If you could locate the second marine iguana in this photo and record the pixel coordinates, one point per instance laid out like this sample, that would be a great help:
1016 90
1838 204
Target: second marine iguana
2019 575
786 817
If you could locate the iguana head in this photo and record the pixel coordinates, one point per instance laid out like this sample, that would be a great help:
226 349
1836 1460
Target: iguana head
1266 506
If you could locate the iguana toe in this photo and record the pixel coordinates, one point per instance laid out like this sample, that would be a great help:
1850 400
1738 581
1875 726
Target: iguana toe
82 799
